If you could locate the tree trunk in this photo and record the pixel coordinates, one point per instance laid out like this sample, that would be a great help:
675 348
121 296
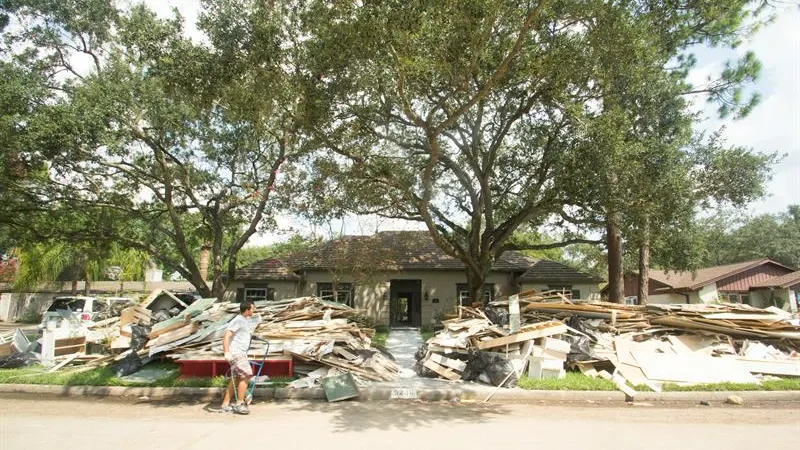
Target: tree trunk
475 282
614 239
205 254
644 264
74 289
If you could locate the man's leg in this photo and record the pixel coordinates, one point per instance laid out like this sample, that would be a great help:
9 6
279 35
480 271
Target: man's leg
243 383
226 400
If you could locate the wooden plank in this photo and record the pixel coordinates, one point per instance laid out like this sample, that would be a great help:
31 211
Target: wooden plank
442 371
174 335
344 353
541 330
181 322
63 363
454 364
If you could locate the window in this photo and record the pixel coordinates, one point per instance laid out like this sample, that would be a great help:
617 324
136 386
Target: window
574 293
71 303
734 297
259 294
342 294
462 292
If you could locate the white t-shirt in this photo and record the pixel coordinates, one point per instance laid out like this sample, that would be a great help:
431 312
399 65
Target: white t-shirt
242 328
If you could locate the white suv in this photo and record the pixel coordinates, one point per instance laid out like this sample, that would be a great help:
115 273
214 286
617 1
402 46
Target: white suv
82 310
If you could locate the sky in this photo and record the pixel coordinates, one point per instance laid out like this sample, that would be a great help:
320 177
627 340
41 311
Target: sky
773 126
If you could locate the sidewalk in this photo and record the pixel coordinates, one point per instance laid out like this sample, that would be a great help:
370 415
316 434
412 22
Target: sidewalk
421 389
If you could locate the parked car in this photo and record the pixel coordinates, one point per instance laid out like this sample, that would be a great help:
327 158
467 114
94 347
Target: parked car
83 310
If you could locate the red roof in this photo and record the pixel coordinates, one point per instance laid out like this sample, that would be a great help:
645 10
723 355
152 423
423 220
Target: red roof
701 277
783 282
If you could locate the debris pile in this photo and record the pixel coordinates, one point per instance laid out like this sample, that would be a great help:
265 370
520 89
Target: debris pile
629 345
310 330
474 348
303 336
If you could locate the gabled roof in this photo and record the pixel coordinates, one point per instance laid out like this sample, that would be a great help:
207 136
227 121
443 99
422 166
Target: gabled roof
398 250
392 250
782 282
552 271
702 277
266 269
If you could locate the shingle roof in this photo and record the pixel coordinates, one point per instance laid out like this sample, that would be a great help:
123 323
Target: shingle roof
552 271
785 281
396 250
702 277
392 250
266 269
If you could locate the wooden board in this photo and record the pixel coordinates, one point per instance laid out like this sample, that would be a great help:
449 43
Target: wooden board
442 371
541 330
180 333
454 364
174 324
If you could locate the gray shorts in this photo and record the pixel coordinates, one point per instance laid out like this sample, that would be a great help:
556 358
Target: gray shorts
240 366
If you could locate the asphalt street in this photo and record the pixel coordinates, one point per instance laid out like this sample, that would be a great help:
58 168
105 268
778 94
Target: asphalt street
59 423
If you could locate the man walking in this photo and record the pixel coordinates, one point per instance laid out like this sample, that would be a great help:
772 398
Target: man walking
235 345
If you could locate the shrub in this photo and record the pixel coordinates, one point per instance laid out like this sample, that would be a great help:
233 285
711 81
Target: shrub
363 321
31 315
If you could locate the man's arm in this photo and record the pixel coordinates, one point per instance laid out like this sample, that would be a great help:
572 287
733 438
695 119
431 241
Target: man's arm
226 344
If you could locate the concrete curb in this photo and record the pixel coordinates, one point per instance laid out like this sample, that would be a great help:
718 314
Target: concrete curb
383 394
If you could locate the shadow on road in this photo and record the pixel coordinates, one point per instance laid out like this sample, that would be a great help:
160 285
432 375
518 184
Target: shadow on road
400 414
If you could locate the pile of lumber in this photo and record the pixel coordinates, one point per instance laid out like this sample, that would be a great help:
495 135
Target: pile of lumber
629 345
314 332
473 348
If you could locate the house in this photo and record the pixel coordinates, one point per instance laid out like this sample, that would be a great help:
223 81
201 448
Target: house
752 282
398 278
780 291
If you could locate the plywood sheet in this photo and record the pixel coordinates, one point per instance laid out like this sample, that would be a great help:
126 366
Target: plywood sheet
692 368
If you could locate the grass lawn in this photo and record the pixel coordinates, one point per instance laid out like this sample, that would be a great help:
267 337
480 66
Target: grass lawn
380 338
103 376
575 381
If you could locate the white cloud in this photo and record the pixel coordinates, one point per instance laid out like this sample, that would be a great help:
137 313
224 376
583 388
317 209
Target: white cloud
774 125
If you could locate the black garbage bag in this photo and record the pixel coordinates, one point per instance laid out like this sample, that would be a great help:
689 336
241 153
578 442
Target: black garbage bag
424 371
161 315
576 323
498 316
496 367
17 360
421 352
127 365
139 336
579 348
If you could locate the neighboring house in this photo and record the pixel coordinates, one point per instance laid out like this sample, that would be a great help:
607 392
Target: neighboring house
781 291
745 282
399 278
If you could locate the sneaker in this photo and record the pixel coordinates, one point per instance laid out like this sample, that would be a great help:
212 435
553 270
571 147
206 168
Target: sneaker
241 408
226 409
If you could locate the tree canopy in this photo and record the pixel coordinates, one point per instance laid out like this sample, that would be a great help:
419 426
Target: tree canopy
481 117
141 136
477 118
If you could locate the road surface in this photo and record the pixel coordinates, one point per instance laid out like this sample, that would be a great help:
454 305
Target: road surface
54 423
